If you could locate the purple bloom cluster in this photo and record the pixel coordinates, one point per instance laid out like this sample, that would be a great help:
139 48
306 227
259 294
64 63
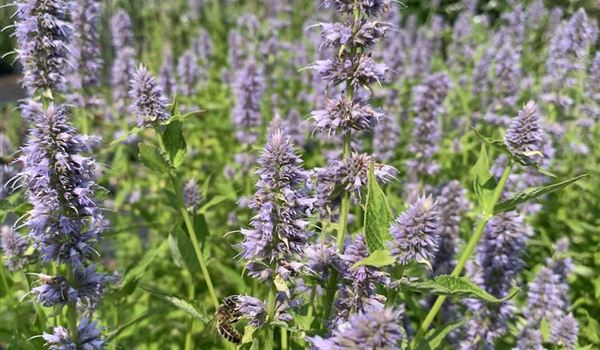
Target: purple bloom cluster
375 328
350 175
249 89
282 202
166 76
191 195
523 135
416 233
148 101
386 137
343 114
188 73
452 203
88 337
497 263
428 99
124 64
42 33
13 248
85 47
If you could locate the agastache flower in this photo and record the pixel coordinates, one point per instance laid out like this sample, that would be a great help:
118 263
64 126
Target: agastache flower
187 73
428 107
523 136
54 291
203 46
343 114
282 202
416 233
149 102
386 137
85 46
121 74
65 221
564 332
121 29
42 33
348 175
13 247
452 203
368 7
191 195
376 328
249 89
88 337
166 76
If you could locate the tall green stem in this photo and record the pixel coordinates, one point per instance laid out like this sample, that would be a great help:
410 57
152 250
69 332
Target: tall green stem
271 314
72 317
488 213
345 205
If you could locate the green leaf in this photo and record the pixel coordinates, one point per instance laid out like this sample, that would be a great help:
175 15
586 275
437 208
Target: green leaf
457 286
434 338
483 181
175 143
137 271
378 258
212 202
175 253
378 215
133 131
153 159
248 334
186 307
531 193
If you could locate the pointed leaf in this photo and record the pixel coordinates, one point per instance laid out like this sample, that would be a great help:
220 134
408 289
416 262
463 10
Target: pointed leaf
175 143
483 181
434 338
378 258
186 307
153 159
532 193
378 215
459 286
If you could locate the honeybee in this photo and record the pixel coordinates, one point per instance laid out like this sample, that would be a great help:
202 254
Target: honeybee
227 315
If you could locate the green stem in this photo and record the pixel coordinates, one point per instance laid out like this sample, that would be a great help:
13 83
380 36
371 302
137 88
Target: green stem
345 205
284 339
196 245
72 318
189 338
488 213
271 314
3 277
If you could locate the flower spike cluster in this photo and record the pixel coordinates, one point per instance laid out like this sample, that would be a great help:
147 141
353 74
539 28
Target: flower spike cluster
282 202
148 101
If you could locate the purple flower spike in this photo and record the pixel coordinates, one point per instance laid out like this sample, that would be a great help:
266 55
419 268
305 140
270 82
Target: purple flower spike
191 195
342 115
249 89
188 73
88 337
13 248
376 328
524 135
149 102
416 233
282 204
42 34
564 332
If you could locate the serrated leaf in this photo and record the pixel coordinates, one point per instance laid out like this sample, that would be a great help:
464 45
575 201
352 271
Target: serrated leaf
456 286
483 181
435 337
152 158
175 143
378 258
378 215
175 253
532 193
186 307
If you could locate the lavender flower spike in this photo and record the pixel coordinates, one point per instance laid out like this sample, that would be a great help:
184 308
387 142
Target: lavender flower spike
187 72
42 34
564 332
85 45
282 203
249 88
343 115
376 328
191 195
523 136
121 29
65 221
88 337
416 233
13 247
148 101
